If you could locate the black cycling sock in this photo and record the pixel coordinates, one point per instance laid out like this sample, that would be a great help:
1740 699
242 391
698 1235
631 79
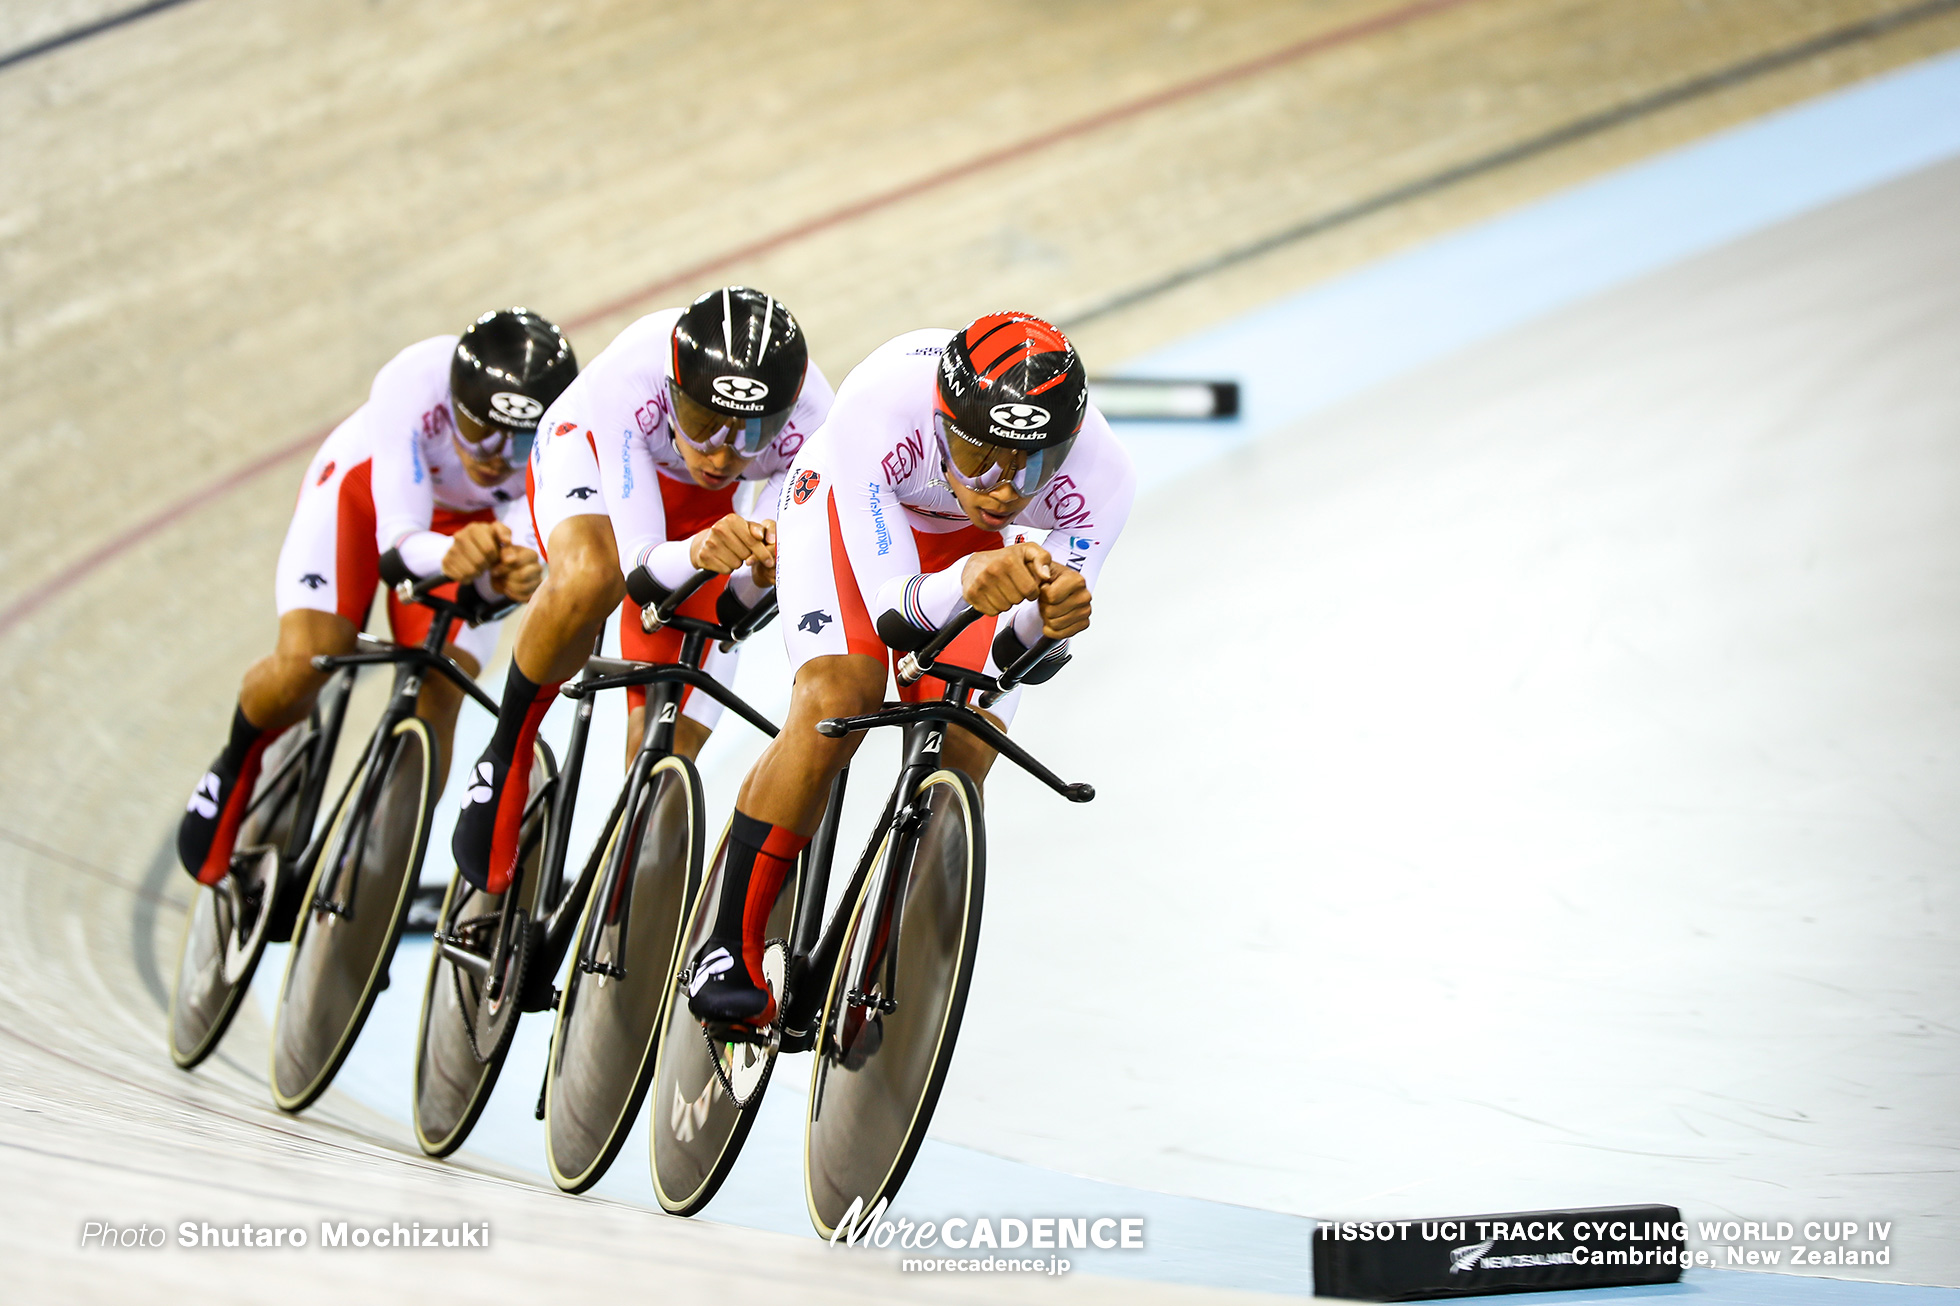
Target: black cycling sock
520 693
746 835
486 835
243 735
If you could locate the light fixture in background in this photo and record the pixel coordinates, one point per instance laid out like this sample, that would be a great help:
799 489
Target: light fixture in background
1149 399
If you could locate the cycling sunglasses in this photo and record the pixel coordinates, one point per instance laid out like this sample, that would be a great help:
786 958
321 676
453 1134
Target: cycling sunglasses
981 465
704 430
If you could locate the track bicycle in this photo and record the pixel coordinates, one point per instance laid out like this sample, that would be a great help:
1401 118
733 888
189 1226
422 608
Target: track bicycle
351 912
878 995
647 863
229 923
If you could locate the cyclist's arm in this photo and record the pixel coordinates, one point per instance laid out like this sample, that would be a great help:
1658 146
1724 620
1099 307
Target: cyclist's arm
404 495
1085 509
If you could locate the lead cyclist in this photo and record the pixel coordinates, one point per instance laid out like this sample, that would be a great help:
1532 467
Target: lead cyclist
945 453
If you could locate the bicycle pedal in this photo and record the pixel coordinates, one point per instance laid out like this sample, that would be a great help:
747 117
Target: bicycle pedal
736 1033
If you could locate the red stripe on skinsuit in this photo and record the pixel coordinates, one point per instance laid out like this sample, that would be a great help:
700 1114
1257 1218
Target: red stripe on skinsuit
860 636
357 562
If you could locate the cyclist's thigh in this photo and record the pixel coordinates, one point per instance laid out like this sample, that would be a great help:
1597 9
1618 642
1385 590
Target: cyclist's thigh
563 481
329 561
819 588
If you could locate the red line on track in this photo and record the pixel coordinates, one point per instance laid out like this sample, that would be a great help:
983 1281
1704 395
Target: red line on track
82 567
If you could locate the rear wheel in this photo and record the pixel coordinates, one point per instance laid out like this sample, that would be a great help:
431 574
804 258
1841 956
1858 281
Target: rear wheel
469 1016
893 1011
706 1090
225 931
351 915
602 1050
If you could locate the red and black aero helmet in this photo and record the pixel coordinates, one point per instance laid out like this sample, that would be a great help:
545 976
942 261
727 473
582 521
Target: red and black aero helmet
739 360
1010 401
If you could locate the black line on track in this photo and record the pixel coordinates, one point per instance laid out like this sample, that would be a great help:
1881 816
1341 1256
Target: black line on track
1590 125
152 885
83 32
143 924
296 1196
362 1146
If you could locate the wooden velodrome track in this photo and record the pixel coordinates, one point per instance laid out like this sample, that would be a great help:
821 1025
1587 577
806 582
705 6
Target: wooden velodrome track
220 219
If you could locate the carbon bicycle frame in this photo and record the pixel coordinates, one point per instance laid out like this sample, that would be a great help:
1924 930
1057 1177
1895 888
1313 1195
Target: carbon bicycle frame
812 959
411 664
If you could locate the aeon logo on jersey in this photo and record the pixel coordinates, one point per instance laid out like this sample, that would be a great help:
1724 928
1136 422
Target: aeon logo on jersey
1070 506
743 391
904 459
1019 417
514 407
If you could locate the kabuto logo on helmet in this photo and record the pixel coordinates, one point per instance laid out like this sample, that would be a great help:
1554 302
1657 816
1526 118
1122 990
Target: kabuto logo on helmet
517 409
1019 417
741 391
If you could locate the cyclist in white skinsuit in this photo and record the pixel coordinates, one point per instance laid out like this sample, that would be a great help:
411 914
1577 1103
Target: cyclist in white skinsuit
431 467
609 446
943 455
639 463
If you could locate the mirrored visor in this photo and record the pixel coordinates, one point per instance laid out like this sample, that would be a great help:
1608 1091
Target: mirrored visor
706 430
484 442
981 465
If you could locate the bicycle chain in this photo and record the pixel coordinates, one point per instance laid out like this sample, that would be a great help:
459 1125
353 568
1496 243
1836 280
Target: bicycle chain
714 1055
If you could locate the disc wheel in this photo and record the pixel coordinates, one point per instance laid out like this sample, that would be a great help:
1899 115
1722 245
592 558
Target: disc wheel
602 1049
225 931
468 1021
339 959
706 1091
890 1022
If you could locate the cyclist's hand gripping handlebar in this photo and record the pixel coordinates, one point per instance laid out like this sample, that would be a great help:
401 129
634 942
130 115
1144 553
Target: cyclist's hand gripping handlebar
469 603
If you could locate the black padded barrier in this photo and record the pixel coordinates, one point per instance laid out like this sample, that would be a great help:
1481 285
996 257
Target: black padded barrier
1472 1255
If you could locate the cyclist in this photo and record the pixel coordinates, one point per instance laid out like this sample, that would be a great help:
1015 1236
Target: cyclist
637 468
945 449
430 468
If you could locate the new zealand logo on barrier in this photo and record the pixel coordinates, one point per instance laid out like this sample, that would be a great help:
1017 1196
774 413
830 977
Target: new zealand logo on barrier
804 486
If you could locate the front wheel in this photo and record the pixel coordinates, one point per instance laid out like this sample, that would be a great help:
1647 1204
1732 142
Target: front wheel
602 1050
351 916
893 1011
469 1016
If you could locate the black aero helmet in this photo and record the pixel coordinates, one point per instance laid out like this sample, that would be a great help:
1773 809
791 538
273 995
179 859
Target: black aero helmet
1010 400
507 369
739 360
